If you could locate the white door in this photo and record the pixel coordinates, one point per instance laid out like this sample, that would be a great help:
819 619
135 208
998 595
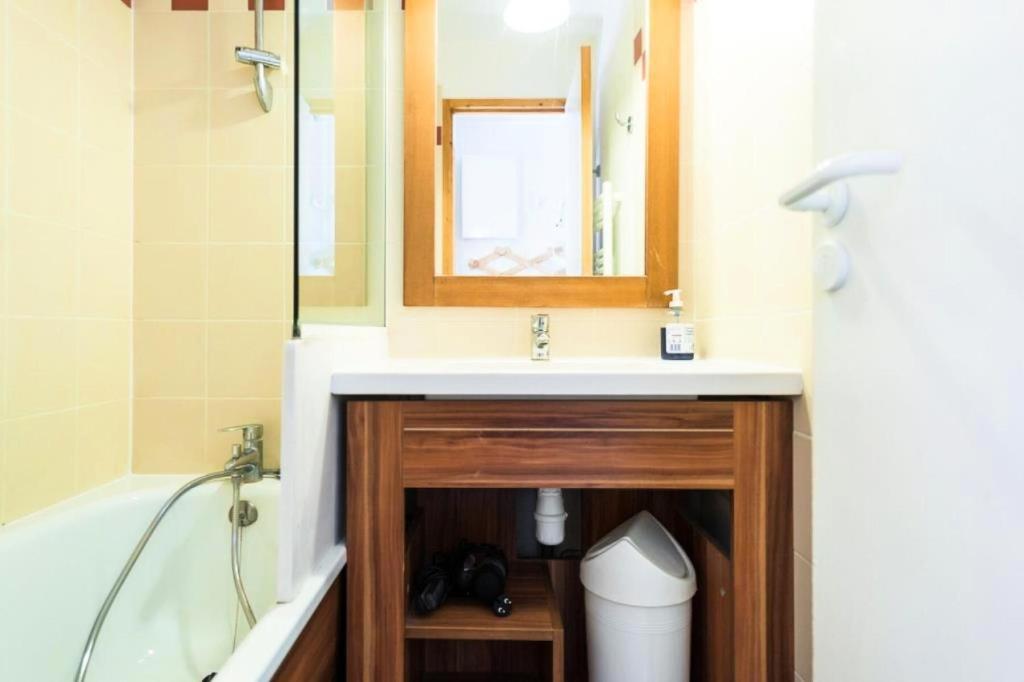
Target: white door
919 371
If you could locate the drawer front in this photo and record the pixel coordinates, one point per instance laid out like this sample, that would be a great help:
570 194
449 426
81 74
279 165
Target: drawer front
580 444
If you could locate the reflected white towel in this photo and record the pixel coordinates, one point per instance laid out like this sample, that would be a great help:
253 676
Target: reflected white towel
489 197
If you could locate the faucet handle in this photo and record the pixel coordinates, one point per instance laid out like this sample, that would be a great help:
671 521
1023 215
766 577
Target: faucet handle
250 432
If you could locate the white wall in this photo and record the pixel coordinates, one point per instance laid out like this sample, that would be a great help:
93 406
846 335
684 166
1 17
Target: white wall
311 517
919 473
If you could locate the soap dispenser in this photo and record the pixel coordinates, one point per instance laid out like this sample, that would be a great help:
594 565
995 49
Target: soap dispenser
679 338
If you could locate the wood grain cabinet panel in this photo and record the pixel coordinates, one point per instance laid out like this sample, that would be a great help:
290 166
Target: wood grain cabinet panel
577 444
315 656
626 453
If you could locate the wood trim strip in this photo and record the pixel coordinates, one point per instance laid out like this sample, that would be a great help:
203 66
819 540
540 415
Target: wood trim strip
663 104
674 460
315 655
190 5
586 162
569 415
497 429
420 150
204 5
375 506
762 551
553 105
540 292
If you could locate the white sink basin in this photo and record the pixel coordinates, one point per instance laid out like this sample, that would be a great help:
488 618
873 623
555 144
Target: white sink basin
594 377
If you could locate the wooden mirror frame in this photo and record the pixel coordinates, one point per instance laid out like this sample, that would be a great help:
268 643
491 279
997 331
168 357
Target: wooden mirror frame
424 287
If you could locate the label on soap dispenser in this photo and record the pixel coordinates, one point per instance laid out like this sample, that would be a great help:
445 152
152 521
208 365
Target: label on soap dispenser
679 342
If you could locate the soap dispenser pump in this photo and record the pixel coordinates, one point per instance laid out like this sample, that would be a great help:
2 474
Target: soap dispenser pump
677 339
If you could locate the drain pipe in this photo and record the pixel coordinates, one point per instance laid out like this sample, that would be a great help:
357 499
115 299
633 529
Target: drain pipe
550 516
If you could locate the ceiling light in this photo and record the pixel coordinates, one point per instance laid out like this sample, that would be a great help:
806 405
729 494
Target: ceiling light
536 16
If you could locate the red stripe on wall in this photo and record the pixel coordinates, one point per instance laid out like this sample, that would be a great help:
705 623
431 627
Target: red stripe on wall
128 3
269 4
191 5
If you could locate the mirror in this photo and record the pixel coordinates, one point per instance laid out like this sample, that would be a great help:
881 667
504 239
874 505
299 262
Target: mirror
542 151
543 112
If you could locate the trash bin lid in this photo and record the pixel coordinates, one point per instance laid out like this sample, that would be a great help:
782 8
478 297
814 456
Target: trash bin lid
639 564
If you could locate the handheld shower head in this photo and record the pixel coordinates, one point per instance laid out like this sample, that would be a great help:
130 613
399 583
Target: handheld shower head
262 60
264 90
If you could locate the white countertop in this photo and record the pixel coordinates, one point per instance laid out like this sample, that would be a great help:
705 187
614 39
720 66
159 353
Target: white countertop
593 377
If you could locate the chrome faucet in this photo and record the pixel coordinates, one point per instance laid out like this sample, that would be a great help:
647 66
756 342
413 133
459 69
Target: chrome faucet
541 337
248 452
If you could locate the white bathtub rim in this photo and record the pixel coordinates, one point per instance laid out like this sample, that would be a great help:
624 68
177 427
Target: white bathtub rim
263 650
118 489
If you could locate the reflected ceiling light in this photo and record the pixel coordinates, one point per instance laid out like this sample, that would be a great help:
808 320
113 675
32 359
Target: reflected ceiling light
536 16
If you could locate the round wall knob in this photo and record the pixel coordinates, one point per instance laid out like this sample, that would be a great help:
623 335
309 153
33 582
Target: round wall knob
831 266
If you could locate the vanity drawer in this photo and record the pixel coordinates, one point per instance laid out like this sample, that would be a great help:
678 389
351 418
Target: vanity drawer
582 444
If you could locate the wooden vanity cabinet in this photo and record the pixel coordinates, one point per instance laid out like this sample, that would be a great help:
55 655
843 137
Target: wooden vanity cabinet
419 472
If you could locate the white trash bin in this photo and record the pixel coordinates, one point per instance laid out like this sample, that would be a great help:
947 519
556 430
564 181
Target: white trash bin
639 590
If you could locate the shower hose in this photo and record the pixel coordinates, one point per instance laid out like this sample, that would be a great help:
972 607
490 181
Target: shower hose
236 570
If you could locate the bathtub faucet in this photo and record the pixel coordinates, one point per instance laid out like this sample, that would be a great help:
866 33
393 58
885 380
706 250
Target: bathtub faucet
248 453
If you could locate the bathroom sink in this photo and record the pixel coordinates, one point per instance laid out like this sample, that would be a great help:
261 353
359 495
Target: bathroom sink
594 377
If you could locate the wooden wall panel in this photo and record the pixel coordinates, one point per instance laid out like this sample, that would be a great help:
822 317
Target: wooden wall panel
569 415
375 534
763 541
316 655
558 459
712 616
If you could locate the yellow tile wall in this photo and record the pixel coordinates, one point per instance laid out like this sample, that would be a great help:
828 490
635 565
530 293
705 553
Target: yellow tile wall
65 249
212 286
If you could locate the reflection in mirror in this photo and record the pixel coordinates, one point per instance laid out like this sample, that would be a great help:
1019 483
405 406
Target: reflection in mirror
542 106
340 151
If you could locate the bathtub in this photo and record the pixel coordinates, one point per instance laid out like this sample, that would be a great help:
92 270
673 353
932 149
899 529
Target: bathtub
177 617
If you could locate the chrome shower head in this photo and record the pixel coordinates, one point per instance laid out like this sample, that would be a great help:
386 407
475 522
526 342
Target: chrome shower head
264 90
262 60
